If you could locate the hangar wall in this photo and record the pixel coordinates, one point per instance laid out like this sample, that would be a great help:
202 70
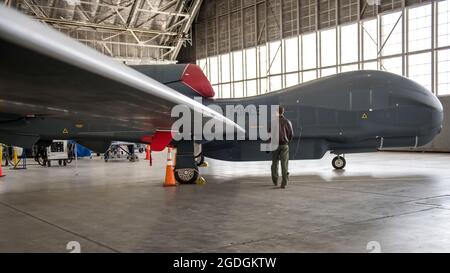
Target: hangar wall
238 42
248 48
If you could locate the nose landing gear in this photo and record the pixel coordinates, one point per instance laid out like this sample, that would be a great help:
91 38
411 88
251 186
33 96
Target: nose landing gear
186 169
338 162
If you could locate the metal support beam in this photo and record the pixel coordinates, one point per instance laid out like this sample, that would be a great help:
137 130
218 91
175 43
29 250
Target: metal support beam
103 26
187 26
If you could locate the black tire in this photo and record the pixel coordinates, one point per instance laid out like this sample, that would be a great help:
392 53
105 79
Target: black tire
59 162
65 163
338 162
49 164
186 175
40 161
200 159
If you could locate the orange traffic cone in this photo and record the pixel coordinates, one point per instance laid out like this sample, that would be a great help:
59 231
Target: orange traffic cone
1 160
170 177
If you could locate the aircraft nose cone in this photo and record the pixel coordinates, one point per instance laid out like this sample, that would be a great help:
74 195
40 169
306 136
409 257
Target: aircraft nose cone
438 114
436 119
437 105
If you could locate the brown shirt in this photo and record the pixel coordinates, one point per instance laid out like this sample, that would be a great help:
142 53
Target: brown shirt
285 131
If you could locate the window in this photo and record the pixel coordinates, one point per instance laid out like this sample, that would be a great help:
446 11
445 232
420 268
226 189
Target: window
328 47
443 28
351 67
347 47
370 39
225 67
239 89
237 66
203 65
263 85
262 61
216 90
309 51
443 72
309 75
349 43
291 54
251 88
275 83
393 65
419 28
370 66
391 23
292 79
213 70
419 69
226 90
328 71
250 63
275 58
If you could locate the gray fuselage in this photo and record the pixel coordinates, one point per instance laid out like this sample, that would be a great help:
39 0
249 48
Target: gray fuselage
352 112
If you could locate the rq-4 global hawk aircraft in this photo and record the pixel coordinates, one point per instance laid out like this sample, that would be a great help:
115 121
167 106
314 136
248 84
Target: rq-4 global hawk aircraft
52 87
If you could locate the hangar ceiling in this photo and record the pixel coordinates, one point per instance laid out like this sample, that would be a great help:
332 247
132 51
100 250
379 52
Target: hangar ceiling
133 31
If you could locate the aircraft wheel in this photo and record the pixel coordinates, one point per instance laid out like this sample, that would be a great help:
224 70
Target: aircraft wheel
338 162
186 175
200 159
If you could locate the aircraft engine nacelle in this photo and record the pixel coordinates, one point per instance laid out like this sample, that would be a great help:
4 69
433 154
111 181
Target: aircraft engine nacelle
187 79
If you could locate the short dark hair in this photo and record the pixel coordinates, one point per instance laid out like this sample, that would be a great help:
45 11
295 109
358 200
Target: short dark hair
280 109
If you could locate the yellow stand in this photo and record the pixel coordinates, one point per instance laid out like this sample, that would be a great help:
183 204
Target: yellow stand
15 159
200 181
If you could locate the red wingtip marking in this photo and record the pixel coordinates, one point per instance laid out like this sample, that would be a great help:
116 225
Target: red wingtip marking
194 77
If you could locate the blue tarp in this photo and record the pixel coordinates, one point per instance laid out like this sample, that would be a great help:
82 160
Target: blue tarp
81 150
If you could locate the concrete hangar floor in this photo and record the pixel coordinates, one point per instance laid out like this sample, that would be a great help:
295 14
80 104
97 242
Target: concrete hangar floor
393 202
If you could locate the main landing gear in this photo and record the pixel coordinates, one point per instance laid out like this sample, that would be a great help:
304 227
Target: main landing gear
200 160
338 162
186 168
186 175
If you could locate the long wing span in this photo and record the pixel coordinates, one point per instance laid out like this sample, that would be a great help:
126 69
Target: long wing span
44 72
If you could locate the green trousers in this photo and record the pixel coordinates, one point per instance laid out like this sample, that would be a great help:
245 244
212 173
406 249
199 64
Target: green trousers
280 154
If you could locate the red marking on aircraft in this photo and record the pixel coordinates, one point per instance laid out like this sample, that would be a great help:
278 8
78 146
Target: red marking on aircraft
159 140
194 78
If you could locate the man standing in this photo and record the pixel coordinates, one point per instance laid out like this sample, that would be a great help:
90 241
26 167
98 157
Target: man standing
282 152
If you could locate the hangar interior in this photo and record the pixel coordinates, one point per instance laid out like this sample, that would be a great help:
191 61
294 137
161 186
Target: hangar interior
390 201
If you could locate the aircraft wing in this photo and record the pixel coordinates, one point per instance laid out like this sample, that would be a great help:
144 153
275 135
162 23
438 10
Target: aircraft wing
43 72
